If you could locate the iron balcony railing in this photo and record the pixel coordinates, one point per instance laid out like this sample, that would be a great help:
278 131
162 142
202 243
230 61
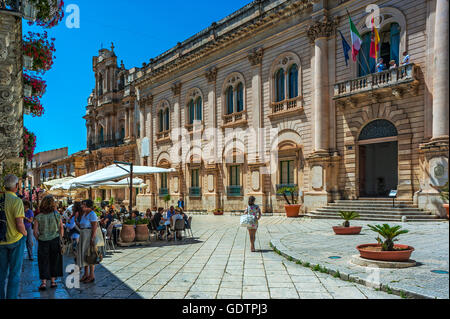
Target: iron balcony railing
163 192
195 191
234 191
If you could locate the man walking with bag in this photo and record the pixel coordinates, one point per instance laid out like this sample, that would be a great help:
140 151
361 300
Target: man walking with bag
12 238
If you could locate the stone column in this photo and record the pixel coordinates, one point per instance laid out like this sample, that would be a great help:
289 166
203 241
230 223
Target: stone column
322 164
127 128
256 57
441 71
211 76
131 122
142 120
321 95
176 119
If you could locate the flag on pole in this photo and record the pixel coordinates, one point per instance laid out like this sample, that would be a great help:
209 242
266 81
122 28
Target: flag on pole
345 47
356 39
375 42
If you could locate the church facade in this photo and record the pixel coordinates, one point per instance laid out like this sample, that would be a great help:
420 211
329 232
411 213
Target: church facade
265 99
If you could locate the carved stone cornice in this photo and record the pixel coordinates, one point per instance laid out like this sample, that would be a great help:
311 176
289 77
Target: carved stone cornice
211 74
176 88
256 56
323 28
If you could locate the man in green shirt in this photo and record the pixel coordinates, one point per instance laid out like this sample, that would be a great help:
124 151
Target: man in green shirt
11 250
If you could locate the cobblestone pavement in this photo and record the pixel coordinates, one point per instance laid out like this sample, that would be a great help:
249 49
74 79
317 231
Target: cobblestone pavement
317 243
216 264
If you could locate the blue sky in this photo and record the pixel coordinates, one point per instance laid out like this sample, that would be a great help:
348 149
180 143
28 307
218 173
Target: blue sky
140 30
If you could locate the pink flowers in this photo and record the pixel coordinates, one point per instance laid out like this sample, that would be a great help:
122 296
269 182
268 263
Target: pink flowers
37 84
40 49
29 145
49 13
33 105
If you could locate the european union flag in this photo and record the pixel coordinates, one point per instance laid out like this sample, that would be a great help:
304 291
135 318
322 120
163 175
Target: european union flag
346 47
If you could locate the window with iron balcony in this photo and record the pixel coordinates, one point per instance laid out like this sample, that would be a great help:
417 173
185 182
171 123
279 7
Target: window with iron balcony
163 133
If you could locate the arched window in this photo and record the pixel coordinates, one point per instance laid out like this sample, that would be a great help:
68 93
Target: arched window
166 120
191 109
388 50
293 81
101 138
378 129
161 120
240 97
198 109
279 85
229 96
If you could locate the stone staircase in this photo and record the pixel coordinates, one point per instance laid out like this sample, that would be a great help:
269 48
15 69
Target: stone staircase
376 209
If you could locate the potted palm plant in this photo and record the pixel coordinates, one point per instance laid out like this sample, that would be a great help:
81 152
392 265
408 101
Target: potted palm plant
128 233
218 212
292 208
386 250
166 199
142 233
346 229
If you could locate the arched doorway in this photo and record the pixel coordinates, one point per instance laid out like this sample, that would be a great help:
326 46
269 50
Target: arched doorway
378 159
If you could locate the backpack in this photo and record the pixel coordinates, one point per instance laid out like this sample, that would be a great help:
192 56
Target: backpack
3 221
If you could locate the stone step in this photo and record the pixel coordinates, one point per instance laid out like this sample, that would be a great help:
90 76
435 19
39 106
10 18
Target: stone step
378 215
378 218
374 204
371 208
374 212
365 202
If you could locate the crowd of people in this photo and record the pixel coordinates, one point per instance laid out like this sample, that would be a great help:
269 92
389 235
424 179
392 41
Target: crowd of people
51 225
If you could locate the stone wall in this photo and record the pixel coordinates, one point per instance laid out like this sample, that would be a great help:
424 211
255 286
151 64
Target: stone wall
11 89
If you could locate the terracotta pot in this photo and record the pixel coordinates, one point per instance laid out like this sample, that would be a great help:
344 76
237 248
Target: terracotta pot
446 208
353 230
402 255
127 234
292 210
218 213
142 233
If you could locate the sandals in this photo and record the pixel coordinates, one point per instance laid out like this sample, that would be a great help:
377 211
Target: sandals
89 281
54 285
43 287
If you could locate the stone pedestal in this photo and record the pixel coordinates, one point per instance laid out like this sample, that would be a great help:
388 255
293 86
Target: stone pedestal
323 186
434 163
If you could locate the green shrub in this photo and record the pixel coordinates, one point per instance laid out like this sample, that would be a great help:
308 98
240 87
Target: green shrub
348 216
130 222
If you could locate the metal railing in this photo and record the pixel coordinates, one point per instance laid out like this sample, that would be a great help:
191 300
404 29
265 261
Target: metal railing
195 191
163 192
234 191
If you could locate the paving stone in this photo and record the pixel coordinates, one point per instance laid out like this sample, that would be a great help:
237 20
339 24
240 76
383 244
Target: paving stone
255 295
150 288
283 293
314 295
204 288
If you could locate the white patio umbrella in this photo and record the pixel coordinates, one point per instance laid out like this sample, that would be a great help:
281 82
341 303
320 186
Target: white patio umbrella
124 183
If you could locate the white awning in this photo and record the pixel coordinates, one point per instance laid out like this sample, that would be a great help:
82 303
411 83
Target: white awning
110 174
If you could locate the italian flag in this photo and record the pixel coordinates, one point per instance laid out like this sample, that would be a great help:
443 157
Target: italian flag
356 40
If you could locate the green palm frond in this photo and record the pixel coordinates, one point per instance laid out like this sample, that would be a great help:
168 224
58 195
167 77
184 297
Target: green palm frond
348 216
389 233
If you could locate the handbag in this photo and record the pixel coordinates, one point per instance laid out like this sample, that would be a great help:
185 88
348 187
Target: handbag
94 257
61 245
247 220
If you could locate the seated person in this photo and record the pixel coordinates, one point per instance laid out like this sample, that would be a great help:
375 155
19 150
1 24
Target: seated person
157 218
174 218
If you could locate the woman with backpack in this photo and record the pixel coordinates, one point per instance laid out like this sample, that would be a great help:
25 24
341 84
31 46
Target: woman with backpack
48 230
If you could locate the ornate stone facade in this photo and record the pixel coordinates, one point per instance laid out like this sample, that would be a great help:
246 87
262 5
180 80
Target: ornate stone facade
11 89
276 68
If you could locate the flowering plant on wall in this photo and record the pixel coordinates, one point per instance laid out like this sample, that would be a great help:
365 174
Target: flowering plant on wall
37 84
41 49
33 106
49 12
29 145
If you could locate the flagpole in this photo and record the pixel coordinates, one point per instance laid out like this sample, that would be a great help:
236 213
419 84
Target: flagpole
360 49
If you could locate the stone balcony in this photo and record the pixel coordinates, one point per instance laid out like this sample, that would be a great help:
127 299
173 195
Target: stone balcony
286 107
235 119
395 82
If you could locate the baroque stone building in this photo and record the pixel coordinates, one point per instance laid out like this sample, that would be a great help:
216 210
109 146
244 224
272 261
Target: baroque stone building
264 98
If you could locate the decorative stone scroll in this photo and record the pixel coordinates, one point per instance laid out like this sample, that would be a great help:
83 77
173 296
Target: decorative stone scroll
255 57
323 28
211 74
176 88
